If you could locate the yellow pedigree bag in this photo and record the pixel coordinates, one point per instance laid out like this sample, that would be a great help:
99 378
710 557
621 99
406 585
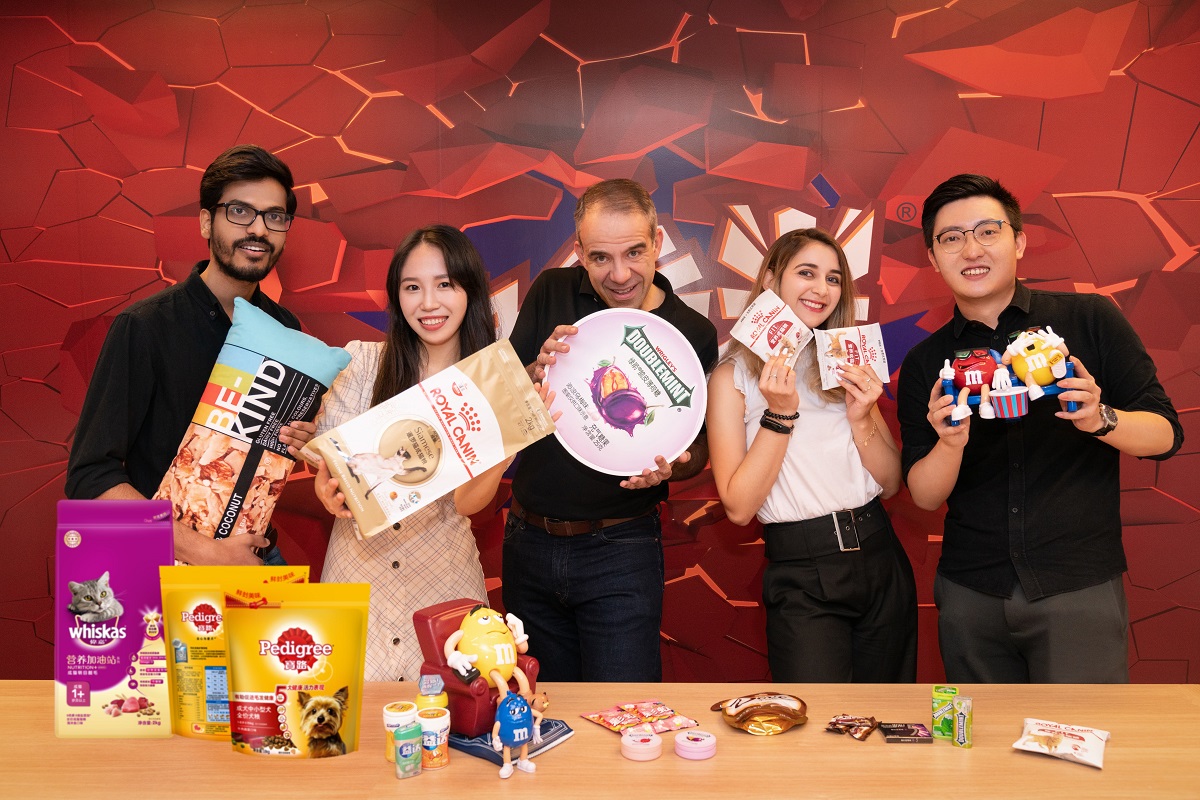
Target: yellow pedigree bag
296 669
193 609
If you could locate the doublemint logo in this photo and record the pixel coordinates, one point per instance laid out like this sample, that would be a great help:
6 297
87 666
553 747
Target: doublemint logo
636 340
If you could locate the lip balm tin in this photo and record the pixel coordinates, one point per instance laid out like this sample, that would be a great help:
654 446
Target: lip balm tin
695 745
641 746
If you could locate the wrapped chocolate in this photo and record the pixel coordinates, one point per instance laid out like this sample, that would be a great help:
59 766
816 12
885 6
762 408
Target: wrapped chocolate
763 713
858 727
1068 742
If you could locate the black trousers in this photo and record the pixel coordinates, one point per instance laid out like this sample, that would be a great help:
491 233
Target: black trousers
845 616
1073 637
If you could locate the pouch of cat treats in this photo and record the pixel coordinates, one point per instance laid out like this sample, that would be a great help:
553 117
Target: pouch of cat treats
110 660
231 466
769 327
405 453
296 669
193 603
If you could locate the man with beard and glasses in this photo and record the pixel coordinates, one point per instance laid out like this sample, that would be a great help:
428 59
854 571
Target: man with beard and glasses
159 352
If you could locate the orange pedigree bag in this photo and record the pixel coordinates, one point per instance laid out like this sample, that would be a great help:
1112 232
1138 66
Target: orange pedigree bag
296 669
193 601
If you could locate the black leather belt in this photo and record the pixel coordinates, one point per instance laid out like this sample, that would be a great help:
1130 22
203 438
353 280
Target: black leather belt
839 532
566 527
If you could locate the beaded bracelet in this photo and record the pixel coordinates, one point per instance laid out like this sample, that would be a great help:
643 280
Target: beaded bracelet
784 417
776 427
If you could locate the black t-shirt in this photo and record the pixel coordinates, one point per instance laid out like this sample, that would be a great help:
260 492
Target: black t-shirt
549 481
1036 499
148 380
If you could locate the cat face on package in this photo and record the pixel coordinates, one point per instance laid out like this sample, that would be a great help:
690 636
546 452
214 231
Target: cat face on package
94 600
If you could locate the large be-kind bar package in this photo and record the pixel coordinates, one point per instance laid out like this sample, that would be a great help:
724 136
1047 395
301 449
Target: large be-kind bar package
407 452
110 661
231 466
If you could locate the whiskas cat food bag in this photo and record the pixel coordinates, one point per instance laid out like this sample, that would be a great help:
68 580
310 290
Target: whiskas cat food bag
296 669
231 466
193 603
110 660
406 452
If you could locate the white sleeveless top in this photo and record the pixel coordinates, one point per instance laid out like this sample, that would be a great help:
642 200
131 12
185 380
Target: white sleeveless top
821 471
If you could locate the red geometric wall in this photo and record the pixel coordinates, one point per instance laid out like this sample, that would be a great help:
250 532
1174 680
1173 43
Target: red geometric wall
746 118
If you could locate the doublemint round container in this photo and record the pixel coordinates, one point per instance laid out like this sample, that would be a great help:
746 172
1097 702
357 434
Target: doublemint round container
631 388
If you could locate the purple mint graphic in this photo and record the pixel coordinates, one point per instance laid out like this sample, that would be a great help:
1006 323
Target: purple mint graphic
619 405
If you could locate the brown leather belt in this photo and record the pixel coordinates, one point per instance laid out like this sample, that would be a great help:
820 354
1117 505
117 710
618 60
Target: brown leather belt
565 527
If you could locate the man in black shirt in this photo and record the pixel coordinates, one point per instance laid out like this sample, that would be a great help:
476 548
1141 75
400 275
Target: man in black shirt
1029 585
583 561
159 352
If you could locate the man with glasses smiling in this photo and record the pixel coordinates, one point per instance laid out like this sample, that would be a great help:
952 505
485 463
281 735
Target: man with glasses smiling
159 351
1029 585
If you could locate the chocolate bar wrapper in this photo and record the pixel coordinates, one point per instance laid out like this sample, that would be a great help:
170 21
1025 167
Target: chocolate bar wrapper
905 733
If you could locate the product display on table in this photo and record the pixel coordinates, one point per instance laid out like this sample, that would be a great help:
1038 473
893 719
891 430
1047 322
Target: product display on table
554 732
110 659
518 725
425 442
1068 742
905 732
631 388
646 716
296 669
231 466
858 727
861 345
769 327
695 745
763 713
487 644
400 714
1003 384
193 603
964 719
943 711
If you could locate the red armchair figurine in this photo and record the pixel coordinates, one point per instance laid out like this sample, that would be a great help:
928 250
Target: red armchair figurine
472 705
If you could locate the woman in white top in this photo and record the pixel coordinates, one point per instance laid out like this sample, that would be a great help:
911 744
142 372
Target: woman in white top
812 465
440 311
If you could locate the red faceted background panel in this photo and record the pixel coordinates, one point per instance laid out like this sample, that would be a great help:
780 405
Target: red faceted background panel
745 119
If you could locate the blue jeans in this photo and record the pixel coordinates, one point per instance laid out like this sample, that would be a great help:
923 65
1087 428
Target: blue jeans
591 604
273 558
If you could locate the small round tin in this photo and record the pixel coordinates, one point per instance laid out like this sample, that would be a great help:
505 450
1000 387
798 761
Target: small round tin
696 745
641 746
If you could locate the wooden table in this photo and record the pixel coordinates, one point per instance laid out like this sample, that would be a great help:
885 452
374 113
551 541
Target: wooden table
1154 750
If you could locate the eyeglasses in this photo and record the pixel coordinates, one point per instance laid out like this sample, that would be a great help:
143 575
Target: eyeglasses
987 233
244 215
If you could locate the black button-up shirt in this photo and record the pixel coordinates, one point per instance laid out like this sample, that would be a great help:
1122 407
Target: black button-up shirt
549 481
148 380
1036 499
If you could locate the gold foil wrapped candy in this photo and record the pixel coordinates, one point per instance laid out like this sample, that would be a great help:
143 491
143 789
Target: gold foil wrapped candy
763 713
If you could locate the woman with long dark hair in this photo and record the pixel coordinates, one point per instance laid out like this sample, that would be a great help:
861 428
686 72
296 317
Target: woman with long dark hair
439 311
812 465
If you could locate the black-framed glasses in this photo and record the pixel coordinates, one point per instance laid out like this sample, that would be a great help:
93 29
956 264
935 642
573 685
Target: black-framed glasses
244 215
987 233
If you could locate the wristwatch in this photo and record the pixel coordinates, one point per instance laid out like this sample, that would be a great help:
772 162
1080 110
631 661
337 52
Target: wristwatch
1109 417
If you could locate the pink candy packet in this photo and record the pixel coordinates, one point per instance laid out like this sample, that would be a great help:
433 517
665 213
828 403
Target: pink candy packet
646 716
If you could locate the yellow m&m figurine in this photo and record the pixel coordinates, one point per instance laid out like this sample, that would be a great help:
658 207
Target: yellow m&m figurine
487 644
1039 358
